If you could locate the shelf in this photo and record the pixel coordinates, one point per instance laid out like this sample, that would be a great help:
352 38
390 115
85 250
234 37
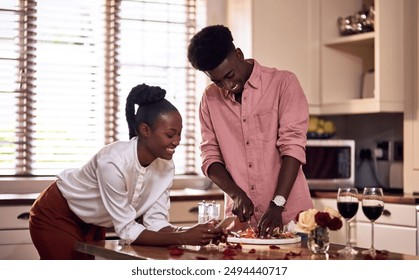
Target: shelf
363 39
362 106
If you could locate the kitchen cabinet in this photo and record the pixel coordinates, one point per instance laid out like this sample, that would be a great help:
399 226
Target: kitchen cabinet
185 213
302 36
15 239
394 231
285 35
411 121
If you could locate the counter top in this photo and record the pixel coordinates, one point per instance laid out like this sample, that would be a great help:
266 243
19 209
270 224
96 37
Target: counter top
388 198
175 195
112 249
214 193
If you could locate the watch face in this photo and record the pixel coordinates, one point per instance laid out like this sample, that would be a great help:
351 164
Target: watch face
279 200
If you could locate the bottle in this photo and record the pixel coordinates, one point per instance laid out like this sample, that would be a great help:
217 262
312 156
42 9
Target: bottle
202 212
214 211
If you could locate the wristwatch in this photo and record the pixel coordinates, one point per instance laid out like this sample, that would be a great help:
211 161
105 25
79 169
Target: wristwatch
279 201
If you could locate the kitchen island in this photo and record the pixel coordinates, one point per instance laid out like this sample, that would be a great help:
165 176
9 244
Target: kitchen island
114 250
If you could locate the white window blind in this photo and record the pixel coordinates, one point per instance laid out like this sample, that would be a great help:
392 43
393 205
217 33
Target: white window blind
66 68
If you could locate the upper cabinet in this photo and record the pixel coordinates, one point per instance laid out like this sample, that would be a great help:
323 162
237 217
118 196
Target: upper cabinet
411 121
303 36
345 59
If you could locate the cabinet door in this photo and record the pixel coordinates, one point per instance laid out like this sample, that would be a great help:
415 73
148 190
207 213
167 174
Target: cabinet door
14 217
285 35
394 214
411 122
185 213
386 237
17 245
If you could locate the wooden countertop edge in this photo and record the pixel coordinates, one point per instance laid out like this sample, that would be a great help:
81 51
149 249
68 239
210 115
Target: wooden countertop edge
103 252
396 199
110 249
210 194
175 195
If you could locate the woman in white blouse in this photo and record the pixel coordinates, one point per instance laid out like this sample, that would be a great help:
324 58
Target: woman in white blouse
125 186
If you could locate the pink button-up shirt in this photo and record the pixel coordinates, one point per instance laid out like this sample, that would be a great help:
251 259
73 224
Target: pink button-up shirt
250 138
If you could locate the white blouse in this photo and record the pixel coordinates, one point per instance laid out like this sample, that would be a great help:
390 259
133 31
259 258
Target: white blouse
113 189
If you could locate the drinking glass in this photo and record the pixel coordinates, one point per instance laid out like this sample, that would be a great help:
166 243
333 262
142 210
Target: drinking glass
348 204
372 206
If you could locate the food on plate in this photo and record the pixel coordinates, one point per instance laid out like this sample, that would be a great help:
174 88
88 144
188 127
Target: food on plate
276 234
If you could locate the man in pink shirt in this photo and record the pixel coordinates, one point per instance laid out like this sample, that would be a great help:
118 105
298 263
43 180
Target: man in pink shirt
254 121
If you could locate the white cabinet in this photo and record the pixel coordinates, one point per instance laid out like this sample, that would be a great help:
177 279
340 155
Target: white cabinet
394 231
303 36
15 240
411 122
185 213
344 59
285 35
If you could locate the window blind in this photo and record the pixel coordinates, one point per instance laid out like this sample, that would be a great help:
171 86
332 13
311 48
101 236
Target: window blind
66 68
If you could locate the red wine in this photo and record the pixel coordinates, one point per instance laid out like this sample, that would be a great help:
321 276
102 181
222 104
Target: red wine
373 212
348 209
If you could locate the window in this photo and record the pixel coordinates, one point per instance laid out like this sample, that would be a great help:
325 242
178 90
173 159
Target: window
66 68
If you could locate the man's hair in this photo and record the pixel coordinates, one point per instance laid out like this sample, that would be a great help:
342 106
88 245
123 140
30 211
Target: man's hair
209 47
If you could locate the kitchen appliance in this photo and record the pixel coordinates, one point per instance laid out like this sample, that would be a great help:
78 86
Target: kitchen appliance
330 164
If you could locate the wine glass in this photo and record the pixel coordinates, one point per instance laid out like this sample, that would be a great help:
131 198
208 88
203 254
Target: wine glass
372 206
348 204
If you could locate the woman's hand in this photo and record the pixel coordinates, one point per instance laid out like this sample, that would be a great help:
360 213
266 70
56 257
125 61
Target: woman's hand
243 207
271 219
202 234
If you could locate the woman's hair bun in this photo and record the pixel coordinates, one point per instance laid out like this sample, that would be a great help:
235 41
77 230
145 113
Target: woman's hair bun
144 94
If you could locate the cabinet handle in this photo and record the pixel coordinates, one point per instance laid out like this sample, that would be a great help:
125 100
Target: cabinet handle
193 209
23 216
386 213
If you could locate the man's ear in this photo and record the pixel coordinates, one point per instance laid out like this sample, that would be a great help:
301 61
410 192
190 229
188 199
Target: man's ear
239 53
144 130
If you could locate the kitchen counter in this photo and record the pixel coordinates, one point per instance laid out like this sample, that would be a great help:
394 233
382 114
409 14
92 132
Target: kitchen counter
175 195
188 194
388 197
112 249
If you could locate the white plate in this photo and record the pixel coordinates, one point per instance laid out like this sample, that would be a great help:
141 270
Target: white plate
262 241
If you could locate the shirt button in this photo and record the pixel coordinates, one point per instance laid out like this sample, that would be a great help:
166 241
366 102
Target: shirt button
247 142
252 187
244 120
250 165
256 209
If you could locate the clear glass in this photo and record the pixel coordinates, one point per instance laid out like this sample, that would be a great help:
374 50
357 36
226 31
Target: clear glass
348 204
372 206
318 240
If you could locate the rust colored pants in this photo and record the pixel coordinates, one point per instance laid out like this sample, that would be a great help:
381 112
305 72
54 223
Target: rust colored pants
54 227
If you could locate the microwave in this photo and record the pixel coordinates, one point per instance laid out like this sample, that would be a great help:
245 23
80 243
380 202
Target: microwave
330 164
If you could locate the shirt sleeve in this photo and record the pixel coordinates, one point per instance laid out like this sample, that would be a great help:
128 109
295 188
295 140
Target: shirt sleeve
115 199
157 217
210 150
293 119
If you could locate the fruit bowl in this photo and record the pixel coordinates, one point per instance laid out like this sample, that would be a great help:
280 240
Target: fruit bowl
315 135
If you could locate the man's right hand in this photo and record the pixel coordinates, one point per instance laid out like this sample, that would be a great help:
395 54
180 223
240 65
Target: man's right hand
243 207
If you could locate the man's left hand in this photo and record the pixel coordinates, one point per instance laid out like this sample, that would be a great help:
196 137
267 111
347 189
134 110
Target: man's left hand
270 220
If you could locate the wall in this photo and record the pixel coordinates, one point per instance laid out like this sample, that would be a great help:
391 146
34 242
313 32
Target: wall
367 130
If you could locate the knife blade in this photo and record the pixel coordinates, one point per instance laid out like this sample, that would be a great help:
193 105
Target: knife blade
251 228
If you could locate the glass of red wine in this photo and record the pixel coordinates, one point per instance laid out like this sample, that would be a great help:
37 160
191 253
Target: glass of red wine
372 206
348 204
